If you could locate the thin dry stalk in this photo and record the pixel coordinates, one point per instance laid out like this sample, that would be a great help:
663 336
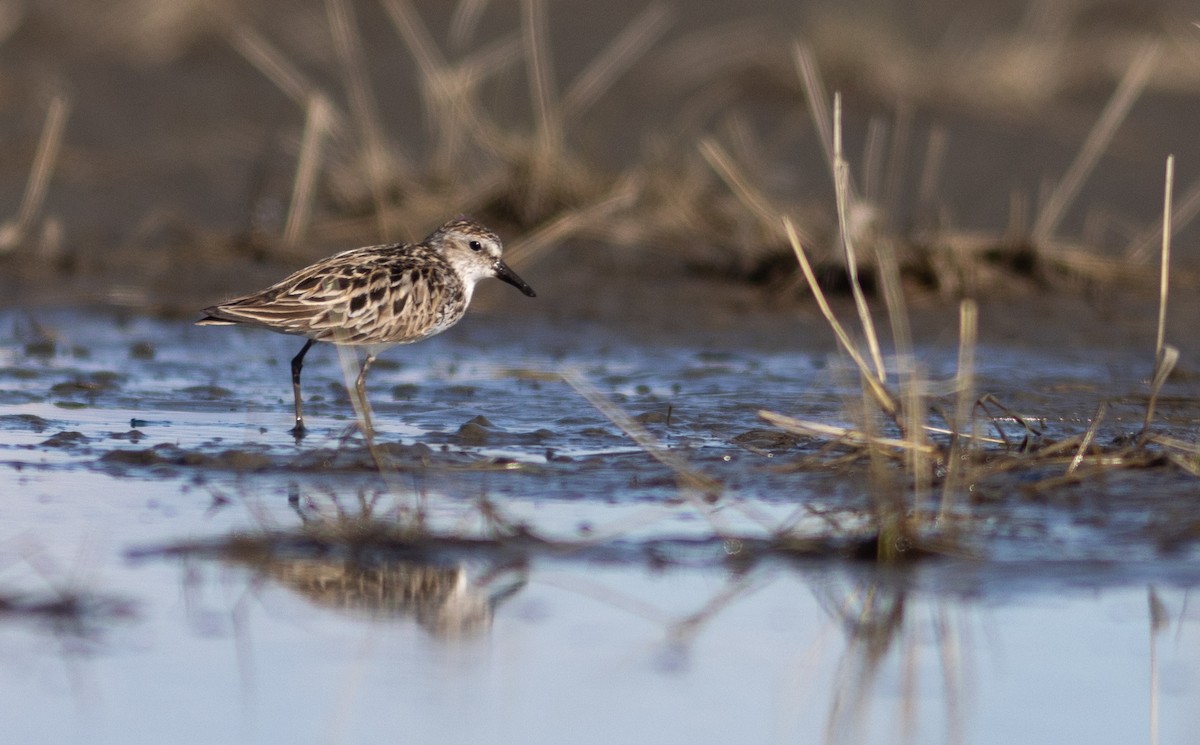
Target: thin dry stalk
449 90
547 159
872 158
1165 356
931 169
404 17
1098 139
1165 264
630 44
316 127
1088 438
893 299
1187 464
885 399
978 438
814 94
917 456
275 67
958 458
541 76
841 178
689 477
887 497
380 162
754 200
845 435
691 481
1183 446
1185 455
1166 363
987 401
1182 215
897 159
14 231
574 221
465 20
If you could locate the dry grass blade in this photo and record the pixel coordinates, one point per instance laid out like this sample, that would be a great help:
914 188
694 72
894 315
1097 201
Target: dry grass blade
1165 356
885 399
569 223
983 439
872 158
1098 139
271 63
14 231
814 94
1181 216
917 455
465 20
931 168
689 478
1183 446
985 404
547 162
1168 357
450 89
1165 264
895 172
316 127
893 299
630 44
380 163
541 76
430 60
965 383
451 103
846 435
841 180
752 199
1088 438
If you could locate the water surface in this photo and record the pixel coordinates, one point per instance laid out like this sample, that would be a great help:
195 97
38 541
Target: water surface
1065 618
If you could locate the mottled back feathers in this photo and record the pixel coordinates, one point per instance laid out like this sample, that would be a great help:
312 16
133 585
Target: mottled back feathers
389 294
378 295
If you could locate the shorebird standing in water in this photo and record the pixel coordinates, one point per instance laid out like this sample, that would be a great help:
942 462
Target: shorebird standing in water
375 297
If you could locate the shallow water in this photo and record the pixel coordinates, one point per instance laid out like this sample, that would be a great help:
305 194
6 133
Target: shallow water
1066 618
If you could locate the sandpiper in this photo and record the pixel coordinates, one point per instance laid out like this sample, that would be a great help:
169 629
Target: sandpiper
374 297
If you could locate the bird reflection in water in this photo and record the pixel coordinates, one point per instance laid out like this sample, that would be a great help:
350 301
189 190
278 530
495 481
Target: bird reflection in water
385 567
444 599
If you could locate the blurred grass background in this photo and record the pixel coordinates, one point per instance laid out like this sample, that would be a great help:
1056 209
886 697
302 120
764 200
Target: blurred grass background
200 146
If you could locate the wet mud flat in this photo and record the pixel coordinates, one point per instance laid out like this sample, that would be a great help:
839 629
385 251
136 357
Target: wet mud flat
489 414
166 533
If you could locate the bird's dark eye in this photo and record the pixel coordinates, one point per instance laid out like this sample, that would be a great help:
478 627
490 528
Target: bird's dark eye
476 246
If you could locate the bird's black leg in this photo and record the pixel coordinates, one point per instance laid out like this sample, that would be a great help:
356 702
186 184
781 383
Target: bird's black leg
297 366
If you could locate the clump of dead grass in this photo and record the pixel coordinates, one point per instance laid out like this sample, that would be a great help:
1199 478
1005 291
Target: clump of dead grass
923 473
352 178
930 253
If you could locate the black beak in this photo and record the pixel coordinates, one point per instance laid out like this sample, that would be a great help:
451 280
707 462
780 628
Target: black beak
505 274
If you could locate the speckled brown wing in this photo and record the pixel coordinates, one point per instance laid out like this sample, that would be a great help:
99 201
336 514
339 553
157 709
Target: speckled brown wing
387 294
